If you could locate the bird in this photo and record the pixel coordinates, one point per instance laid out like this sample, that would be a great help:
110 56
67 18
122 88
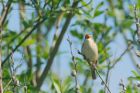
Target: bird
89 51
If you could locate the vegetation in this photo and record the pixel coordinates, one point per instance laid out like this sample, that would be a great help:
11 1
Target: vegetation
35 35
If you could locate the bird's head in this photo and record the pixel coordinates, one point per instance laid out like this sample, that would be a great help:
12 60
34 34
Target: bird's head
87 36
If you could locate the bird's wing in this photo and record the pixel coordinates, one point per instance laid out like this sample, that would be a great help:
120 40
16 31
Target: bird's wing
82 49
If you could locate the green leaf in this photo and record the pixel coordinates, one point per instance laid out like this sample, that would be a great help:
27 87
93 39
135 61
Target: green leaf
81 65
128 89
84 4
97 13
66 84
25 23
101 91
8 91
76 34
135 73
110 13
67 2
28 42
56 85
134 78
63 8
99 5
45 54
80 11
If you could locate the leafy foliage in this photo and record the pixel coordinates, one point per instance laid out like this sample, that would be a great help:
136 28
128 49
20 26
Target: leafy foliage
32 40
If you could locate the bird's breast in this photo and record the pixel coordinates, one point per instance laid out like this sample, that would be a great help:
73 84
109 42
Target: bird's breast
90 51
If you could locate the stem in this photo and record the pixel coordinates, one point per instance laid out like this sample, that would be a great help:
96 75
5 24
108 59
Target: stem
102 79
22 41
2 20
75 66
53 53
55 49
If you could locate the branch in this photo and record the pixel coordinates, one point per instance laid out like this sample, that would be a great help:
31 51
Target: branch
108 71
134 61
2 2
123 86
38 59
102 79
22 41
2 20
53 53
29 62
58 21
137 23
7 85
55 49
123 53
5 12
74 72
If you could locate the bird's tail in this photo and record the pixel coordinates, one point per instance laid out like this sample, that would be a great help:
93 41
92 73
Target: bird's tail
93 72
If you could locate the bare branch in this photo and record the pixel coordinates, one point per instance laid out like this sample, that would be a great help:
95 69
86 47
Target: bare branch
28 49
134 61
74 72
5 12
137 23
102 79
123 53
123 87
2 20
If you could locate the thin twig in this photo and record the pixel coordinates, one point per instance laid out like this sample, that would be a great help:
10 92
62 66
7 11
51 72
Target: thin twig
123 87
58 21
137 23
123 53
7 85
102 79
13 75
74 73
30 62
105 43
22 41
5 12
2 21
108 72
134 61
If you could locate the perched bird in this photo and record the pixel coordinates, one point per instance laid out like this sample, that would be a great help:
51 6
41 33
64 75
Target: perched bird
90 53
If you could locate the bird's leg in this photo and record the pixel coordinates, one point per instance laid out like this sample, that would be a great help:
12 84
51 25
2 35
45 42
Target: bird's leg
90 63
82 55
94 65
79 52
